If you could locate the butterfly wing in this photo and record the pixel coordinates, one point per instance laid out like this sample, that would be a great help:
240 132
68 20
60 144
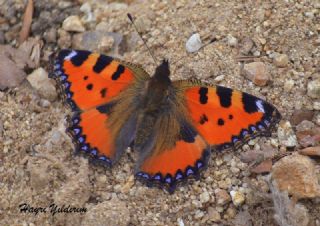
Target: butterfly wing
172 151
89 79
101 91
224 117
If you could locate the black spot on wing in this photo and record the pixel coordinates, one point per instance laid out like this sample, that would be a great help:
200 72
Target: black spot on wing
105 109
102 62
203 119
187 133
90 86
116 75
224 95
80 57
249 103
103 92
220 122
203 92
85 77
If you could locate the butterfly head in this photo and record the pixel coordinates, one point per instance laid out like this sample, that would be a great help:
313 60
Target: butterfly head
162 73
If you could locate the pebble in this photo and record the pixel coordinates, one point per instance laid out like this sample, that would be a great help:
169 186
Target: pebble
213 215
310 151
204 197
302 181
263 167
64 40
112 212
316 105
51 35
219 78
73 24
286 135
222 197
39 80
281 60
288 85
232 41
256 72
300 115
305 125
246 46
237 197
194 43
314 89
99 41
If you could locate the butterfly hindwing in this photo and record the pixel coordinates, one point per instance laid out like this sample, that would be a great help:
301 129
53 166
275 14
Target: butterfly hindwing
90 79
167 167
224 117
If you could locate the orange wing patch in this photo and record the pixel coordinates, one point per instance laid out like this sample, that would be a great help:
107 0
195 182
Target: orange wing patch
92 136
90 79
228 118
169 167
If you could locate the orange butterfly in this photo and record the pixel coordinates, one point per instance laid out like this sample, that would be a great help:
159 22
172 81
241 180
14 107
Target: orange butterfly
172 125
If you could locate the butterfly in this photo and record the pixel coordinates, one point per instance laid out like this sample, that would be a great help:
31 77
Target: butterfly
172 125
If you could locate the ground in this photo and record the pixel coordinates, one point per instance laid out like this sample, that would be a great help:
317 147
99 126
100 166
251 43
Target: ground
37 164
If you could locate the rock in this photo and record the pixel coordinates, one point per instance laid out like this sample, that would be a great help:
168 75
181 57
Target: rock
39 177
314 88
86 9
281 60
286 135
264 167
11 75
213 215
99 41
316 105
51 35
232 41
194 43
42 84
64 40
296 174
257 72
222 197
113 212
204 197
246 46
73 23
288 85
305 125
237 197
300 115
311 151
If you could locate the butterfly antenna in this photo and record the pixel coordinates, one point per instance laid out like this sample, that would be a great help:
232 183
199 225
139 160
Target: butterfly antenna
135 27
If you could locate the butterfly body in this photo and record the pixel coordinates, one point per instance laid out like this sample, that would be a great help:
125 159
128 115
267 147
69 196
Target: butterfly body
172 125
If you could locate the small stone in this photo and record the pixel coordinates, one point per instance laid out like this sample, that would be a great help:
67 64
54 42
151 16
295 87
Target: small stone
204 197
238 198
311 151
194 43
232 41
297 175
288 85
64 40
281 60
246 46
286 135
316 105
51 35
300 115
222 197
305 125
314 89
257 72
99 41
263 167
213 215
42 84
73 23
219 78
113 212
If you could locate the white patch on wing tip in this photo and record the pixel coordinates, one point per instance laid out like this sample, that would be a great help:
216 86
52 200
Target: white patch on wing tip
71 55
259 105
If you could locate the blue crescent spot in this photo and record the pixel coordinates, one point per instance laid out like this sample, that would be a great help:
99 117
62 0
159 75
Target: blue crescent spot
77 131
261 127
94 152
179 176
266 122
67 85
235 140
69 95
189 171
75 120
81 139
244 133
63 77
157 177
199 164
85 147
168 179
